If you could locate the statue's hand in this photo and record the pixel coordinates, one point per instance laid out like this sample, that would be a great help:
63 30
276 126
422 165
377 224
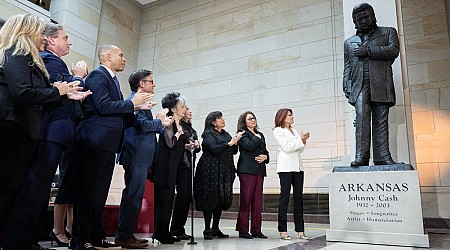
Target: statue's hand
361 51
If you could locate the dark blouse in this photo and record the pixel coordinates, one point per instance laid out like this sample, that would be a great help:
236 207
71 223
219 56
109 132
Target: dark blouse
213 183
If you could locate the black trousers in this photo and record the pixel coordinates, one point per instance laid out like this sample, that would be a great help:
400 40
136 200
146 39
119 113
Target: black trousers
30 206
93 181
164 197
377 114
288 179
15 154
182 201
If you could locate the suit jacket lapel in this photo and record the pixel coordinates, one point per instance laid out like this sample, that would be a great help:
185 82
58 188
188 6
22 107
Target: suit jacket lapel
111 82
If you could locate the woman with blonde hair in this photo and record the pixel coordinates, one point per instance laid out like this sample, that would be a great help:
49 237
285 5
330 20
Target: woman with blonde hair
290 171
25 96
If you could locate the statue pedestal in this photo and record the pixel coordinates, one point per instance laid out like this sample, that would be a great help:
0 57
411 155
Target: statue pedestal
376 205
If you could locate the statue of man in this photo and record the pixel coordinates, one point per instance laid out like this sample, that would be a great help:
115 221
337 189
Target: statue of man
368 83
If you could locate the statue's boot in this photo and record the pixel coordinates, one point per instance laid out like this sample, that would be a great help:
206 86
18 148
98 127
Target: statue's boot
385 161
359 162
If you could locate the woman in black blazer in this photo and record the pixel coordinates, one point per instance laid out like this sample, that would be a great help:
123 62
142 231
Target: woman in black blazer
251 169
25 95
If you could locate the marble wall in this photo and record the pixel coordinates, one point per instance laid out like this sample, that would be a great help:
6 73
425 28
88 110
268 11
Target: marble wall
80 19
235 56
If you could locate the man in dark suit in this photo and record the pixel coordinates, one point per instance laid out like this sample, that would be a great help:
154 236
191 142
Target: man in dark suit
138 152
99 137
61 125
368 83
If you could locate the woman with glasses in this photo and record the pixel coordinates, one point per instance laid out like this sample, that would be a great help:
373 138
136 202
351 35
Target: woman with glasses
290 171
213 183
251 169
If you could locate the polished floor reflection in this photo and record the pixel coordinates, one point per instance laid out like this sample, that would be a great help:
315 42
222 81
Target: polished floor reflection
316 233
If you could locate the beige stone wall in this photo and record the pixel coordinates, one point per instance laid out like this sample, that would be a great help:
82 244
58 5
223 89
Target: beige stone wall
240 55
428 62
80 19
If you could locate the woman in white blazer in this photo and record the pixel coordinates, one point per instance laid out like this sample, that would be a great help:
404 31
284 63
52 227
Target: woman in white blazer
290 171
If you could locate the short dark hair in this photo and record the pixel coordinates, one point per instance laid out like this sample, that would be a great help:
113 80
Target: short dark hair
209 121
362 7
51 29
280 116
136 77
170 100
241 124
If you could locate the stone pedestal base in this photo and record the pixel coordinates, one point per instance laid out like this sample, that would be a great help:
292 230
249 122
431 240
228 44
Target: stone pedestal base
395 239
376 205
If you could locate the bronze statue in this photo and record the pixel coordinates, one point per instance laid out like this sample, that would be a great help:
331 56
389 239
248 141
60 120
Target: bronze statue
368 83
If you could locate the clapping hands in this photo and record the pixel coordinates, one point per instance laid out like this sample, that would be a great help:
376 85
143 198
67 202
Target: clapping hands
64 87
162 115
304 136
141 98
146 106
236 138
78 95
80 69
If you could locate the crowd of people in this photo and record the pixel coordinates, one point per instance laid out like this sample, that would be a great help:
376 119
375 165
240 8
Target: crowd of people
53 114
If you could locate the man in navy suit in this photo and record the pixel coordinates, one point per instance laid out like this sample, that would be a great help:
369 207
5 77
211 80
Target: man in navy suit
137 155
62 124
99 137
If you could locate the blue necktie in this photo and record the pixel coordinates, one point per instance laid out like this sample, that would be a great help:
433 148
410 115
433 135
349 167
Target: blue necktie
117 83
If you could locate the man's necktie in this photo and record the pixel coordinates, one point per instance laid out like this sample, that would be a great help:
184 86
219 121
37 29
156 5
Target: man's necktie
117 83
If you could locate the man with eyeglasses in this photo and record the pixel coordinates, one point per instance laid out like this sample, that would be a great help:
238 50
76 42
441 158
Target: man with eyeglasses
137 155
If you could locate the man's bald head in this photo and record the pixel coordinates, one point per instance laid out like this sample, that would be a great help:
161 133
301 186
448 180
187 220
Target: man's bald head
104 50
112 57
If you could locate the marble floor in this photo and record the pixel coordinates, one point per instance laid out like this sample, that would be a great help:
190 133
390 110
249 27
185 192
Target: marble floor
316 233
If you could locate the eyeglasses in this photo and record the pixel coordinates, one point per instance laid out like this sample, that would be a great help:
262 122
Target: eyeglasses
147 81
251 119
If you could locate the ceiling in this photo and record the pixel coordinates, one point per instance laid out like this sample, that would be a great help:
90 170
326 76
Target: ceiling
144 2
